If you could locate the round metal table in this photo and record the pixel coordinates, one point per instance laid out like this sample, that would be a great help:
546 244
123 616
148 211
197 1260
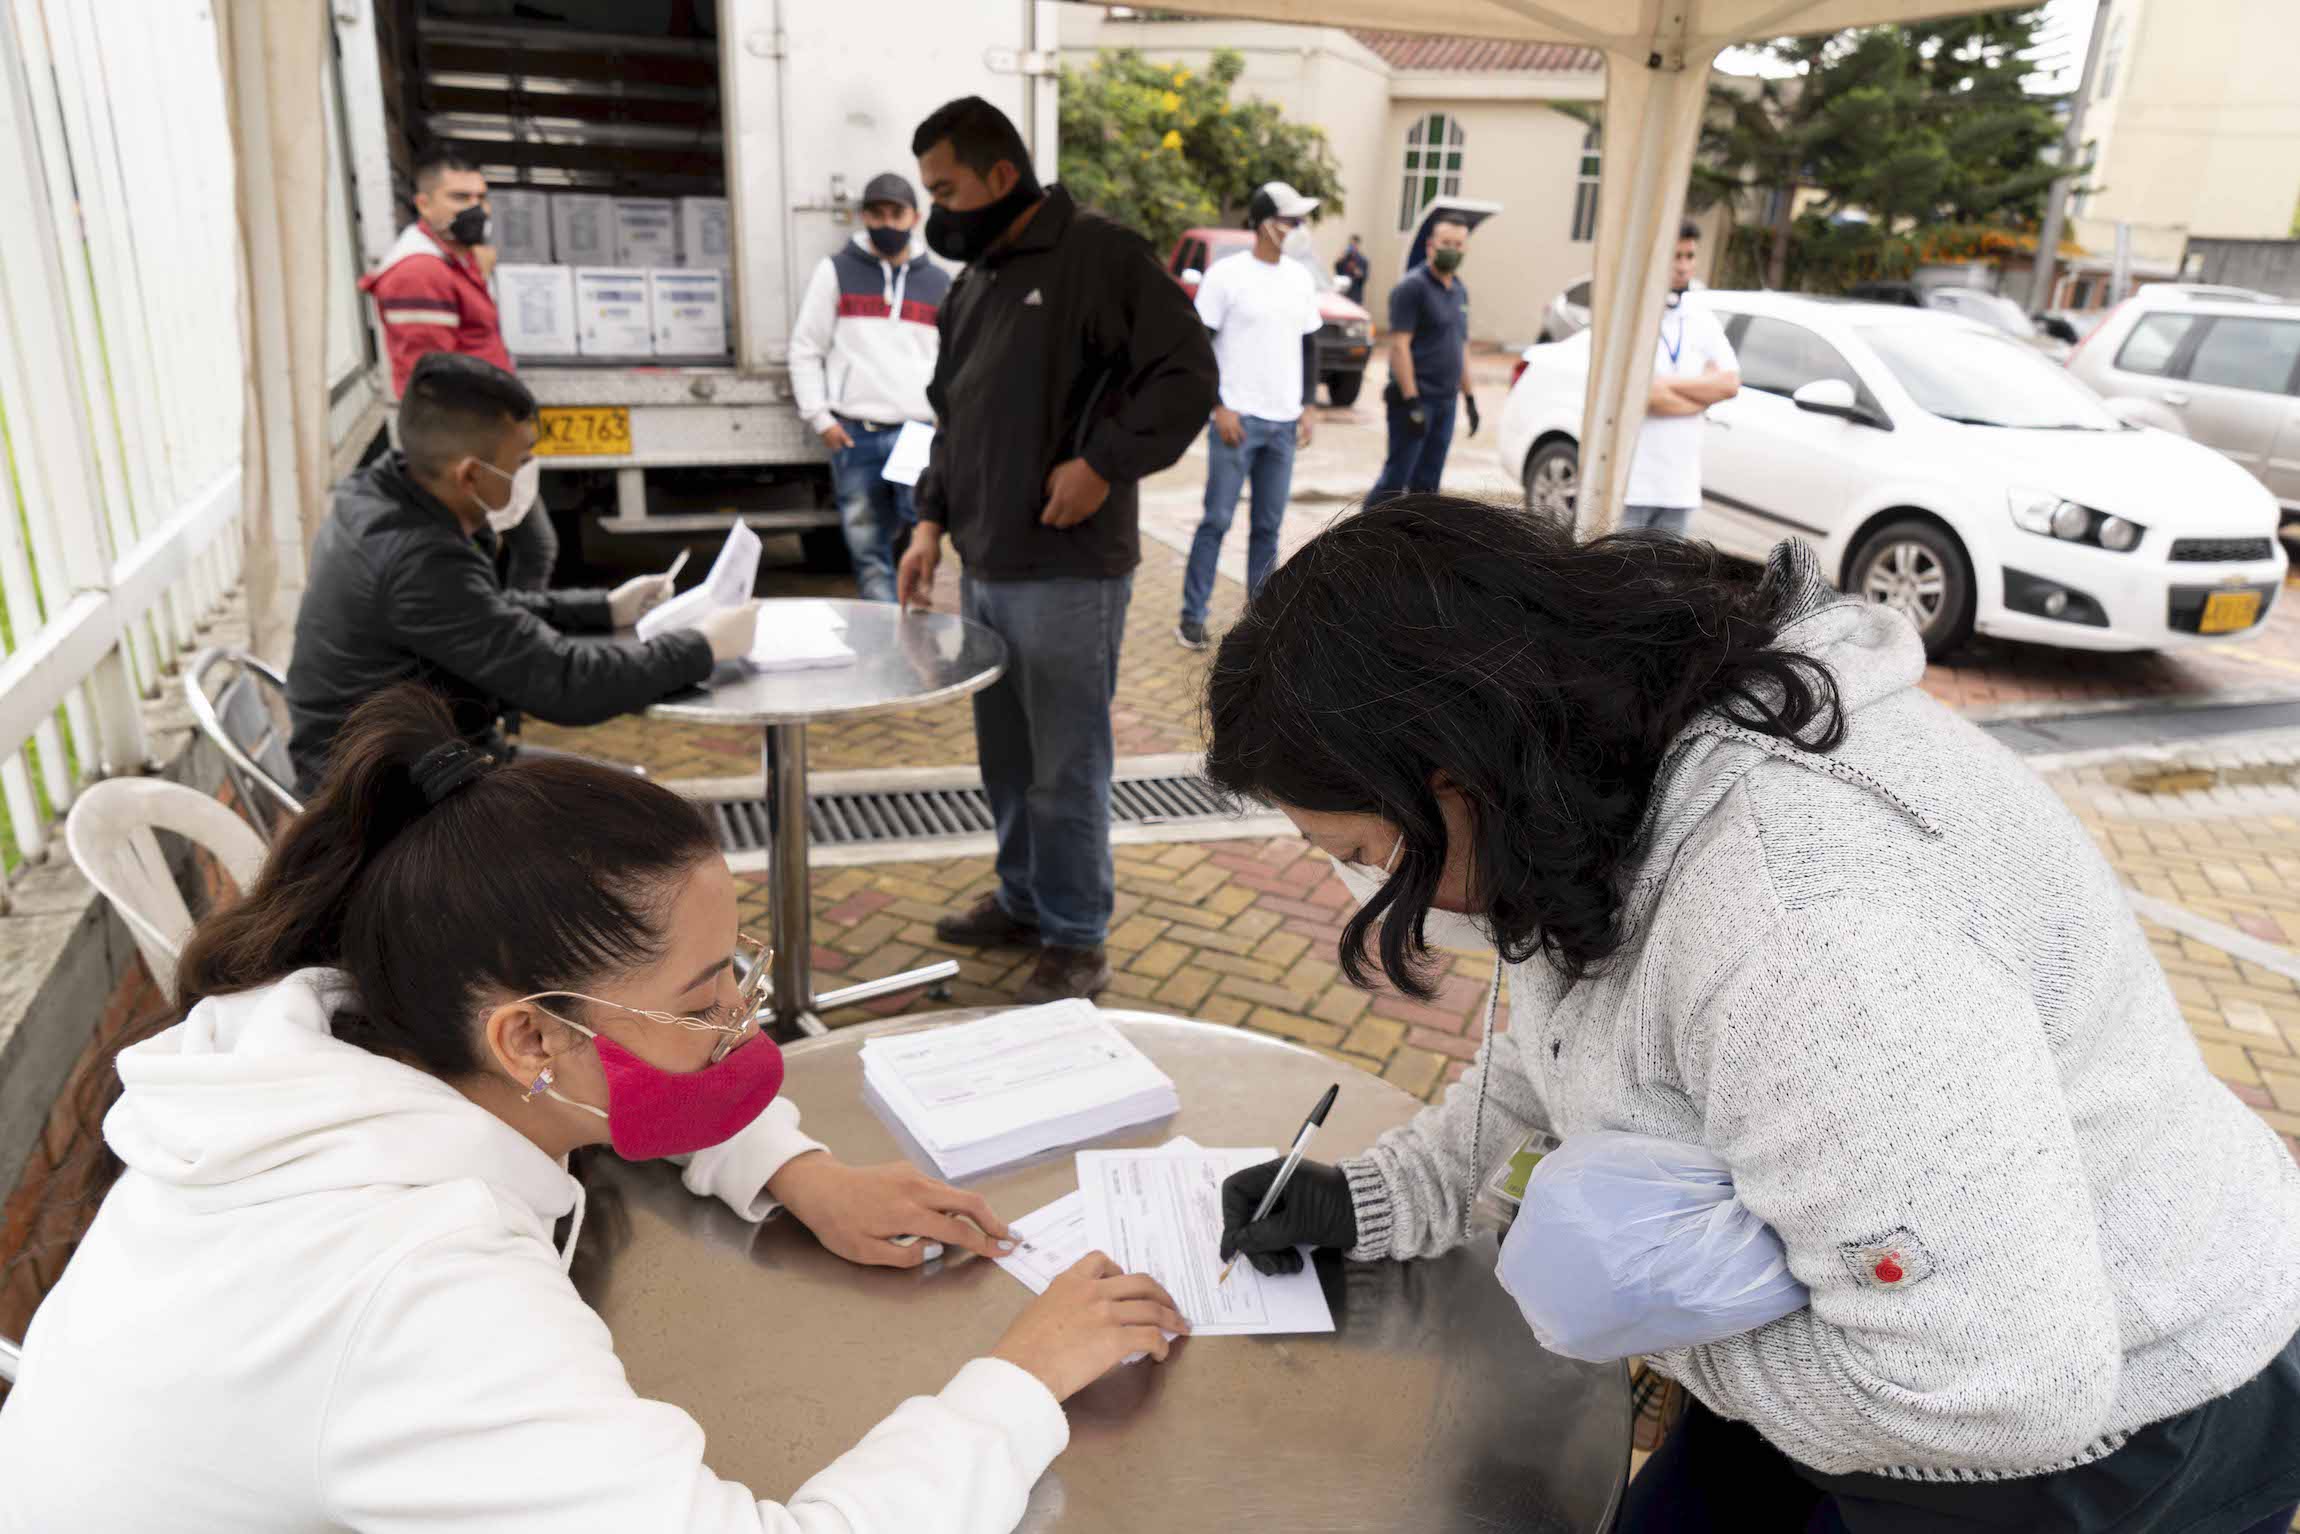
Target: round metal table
1429 1408
903 661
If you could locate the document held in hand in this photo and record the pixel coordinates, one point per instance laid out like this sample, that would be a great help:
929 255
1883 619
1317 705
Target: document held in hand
734 575
912 446
982 1094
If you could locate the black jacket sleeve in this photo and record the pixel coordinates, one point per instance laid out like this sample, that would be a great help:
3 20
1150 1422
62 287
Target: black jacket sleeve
928 496
1166 387
448 609
577 612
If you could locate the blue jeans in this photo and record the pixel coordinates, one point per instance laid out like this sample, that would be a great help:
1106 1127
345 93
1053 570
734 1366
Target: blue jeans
1266 460
1043 733
1673 520
872 508
1415 463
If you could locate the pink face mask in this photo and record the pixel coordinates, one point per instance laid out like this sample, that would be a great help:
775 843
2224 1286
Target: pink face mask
653 1112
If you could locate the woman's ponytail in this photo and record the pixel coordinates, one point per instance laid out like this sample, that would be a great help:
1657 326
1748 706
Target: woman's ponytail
294 916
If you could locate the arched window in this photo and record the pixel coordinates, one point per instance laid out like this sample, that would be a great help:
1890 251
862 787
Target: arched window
1585 186
1433 166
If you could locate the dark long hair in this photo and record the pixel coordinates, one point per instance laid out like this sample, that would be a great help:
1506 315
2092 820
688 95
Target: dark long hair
540 875
1541 676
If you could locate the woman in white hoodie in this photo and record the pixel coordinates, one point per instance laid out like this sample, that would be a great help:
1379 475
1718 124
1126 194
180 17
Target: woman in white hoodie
324 1294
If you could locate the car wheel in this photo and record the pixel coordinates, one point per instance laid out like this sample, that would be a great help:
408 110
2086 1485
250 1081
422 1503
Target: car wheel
1918 569
1342 388
1553 482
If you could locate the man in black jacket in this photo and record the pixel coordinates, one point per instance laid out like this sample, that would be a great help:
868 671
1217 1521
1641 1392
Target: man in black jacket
1071 366
403 586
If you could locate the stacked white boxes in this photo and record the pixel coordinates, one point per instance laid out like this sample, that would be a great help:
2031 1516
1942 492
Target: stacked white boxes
646 231
582 229
612 317
536 307
522 226
690 311
703 233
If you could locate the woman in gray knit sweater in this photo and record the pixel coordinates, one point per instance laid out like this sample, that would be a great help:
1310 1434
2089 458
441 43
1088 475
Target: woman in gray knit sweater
1754 891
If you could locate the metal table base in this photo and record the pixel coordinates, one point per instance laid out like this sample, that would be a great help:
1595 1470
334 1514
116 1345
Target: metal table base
783 759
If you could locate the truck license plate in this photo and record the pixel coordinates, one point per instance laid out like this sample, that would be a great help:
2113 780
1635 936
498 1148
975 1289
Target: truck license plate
585 430
2227 611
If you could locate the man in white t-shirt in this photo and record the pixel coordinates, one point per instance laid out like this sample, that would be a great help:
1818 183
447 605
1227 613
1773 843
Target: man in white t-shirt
1693 368
1263 310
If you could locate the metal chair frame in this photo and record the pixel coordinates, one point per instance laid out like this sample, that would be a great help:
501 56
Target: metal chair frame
265 798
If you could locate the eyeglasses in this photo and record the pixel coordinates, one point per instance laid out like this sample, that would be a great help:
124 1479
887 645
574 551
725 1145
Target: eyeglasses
737 1030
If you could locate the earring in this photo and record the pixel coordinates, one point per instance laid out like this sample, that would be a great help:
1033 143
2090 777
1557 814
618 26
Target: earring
542 1084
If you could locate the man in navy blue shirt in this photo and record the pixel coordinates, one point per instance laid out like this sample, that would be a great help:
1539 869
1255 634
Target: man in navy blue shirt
1429 361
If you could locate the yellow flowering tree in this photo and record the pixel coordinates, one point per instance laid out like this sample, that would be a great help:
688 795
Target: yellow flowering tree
1163 147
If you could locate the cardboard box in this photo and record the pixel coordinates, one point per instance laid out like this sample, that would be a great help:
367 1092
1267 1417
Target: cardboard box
582 229
536 305
522 226
690 309
646 231
703 239
611 313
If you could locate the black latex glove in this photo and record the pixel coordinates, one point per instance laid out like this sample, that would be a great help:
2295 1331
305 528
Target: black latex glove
1469 403
1417 419
1315 1210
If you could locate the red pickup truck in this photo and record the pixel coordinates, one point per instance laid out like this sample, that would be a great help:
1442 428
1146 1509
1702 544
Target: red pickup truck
1345 340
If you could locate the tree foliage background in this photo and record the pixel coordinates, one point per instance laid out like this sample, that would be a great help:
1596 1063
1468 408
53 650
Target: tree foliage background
1163 147
1925 130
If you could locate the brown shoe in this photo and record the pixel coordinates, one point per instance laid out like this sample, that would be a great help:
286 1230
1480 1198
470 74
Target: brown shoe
985 924
1063 973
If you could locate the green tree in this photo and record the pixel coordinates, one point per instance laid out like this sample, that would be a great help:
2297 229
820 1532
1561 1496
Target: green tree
1163 147
1918 128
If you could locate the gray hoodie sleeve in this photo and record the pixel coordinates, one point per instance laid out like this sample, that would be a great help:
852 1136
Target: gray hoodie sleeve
1411 1190
1890 1105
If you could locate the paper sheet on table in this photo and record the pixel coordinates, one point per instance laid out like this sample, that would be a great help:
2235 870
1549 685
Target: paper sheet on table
1054 1235
799 636
734 574
907 461
1160 1212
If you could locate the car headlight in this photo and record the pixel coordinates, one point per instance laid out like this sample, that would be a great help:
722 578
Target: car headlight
2051 516
1357 330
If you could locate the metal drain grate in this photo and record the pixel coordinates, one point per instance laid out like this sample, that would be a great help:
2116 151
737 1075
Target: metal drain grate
909 815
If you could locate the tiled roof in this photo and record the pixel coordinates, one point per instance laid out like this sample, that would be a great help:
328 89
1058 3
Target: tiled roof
1412 50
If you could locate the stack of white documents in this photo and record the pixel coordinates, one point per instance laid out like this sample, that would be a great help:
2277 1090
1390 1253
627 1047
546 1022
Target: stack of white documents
984 1094
799 636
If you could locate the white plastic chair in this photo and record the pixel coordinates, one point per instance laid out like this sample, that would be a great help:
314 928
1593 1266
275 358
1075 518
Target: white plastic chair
110 836
246 720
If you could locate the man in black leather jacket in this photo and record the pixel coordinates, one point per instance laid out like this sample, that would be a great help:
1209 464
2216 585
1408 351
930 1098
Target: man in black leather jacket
403 586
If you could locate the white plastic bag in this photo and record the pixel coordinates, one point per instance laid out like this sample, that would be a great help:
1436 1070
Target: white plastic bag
1633 1244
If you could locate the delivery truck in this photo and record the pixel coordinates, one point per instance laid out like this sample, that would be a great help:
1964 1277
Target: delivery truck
665 176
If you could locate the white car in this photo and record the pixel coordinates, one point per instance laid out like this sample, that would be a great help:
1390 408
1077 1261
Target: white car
1947 470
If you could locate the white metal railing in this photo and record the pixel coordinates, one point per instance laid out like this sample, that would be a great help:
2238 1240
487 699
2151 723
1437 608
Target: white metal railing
121 381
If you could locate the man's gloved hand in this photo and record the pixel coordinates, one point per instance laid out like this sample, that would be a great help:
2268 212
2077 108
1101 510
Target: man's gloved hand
1469 403
1314 1210
729 631
1417 417
632 600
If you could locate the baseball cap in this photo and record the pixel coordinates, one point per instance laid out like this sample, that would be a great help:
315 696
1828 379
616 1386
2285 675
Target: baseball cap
889 187
1275 199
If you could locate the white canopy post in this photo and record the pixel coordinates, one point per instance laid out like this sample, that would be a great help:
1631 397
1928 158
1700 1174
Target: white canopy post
275 67
1653 108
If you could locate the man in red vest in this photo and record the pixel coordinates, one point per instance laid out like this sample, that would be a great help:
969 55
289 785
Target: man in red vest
431 294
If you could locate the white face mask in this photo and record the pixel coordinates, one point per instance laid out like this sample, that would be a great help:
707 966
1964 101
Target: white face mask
1443 929
524 486
1298 243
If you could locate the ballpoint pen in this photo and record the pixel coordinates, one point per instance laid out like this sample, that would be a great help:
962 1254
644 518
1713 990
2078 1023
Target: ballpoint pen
677 565
1293 1160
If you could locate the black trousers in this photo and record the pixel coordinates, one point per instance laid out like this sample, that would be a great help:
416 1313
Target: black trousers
2231 1466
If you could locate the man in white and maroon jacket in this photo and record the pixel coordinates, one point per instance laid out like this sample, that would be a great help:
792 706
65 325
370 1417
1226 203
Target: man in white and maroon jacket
862 354
431 295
